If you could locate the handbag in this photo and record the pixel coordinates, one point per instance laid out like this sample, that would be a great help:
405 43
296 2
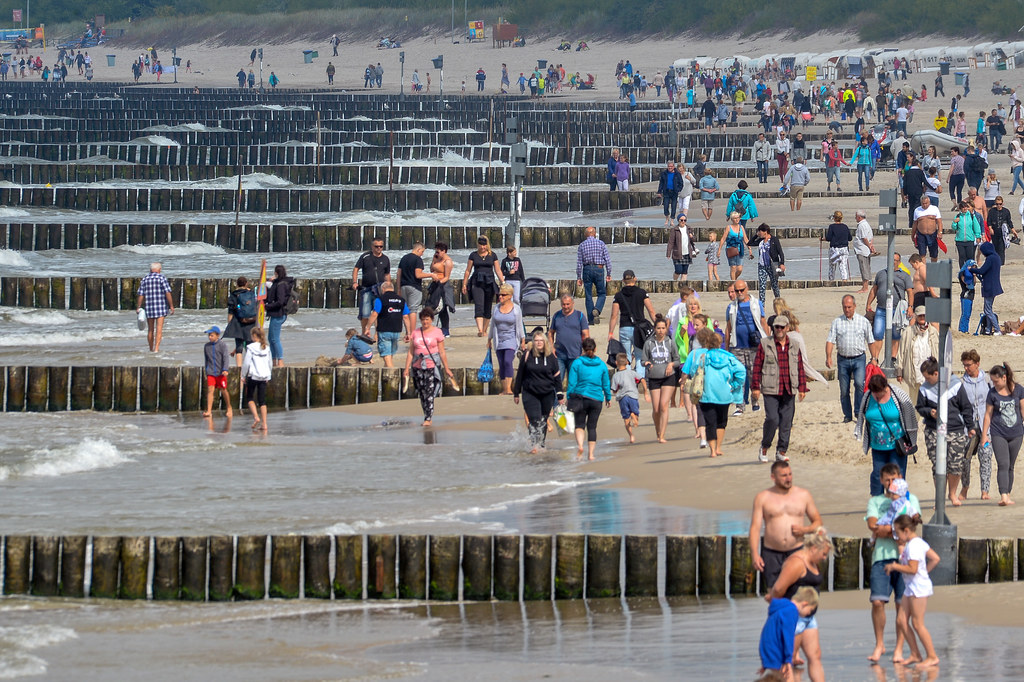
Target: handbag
903 444
732 251
696 385
486 371
574 402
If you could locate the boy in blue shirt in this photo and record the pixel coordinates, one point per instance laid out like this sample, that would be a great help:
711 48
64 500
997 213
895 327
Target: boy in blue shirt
967 283
779 631
357 348
216 361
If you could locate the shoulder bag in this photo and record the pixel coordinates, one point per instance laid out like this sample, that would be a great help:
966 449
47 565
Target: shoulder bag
696 385
903 444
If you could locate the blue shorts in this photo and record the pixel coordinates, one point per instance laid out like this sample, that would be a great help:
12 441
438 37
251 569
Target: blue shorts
387 343
928 244
883 585
878 327
629 405
736 260
365 299
806 623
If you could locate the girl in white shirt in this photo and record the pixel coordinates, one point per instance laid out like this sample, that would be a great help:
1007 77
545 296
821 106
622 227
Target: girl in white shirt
917 560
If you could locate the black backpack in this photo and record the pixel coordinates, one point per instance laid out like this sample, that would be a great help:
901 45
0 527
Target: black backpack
246 307
292 306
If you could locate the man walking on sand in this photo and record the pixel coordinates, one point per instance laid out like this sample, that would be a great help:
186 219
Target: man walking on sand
330 73
744 328
781 509
779 374
851 336
883 585
593 272
155 296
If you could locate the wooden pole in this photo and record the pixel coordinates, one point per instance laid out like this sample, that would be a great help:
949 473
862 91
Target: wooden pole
285 566
72 565
348 572
641 566
167 568
536 567
476 567
742 577
250 561
134 567
17 559
412 566
444 567
222 577
680 565
603 554
105 554
316 551
506 567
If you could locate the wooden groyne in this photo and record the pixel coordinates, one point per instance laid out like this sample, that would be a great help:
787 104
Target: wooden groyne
119 293
435 567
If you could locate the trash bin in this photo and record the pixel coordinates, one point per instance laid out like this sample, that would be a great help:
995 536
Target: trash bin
959 77
307 56
944 68
316 54
110 59
1001 66
542 64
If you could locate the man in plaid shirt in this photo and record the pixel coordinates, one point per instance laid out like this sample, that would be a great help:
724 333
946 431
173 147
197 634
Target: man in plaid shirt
778 369
593 267
155 297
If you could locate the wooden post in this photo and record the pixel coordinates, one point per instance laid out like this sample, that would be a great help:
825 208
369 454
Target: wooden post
537 550
169 388
369 384
681 565
848 557
321 386
444 567
348 570
81 388
972 561
277 389
346 386
106 552
742 576
149 385
412 566
36 388
380 561
134 567
57 378
126 388
711 564
222 576
641 566
192 385
72 565
17 559
391 383
316 553
15 389
285 566
569 555
250 571
298 387
476 567
866 553
45 556
193 568
506 567
1000 560
166 568
603 555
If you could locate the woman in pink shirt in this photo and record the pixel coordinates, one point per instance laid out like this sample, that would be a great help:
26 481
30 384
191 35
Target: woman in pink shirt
424 361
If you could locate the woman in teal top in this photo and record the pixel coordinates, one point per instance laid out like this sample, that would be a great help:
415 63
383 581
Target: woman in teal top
968 229
588 387
889 415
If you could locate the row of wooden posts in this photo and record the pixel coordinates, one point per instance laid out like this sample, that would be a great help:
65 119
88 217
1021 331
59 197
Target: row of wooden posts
436 567
113 293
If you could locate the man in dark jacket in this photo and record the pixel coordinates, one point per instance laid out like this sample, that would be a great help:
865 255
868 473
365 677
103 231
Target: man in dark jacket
669 184
913 186
708 110
990 285
974 167
610 177
998 217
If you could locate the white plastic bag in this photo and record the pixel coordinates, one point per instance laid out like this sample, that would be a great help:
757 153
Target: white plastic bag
142 319
564 419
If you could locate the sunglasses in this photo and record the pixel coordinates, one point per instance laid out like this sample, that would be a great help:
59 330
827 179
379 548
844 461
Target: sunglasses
740 291
779 326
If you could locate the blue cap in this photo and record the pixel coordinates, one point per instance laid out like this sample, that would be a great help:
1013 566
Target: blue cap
213 330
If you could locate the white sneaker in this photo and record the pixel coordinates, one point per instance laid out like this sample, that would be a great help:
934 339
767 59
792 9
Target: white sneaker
779 457
703 443
762 455
738 412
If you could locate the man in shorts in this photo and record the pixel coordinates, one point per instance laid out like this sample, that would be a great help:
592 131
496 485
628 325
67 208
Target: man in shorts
927 228
885 552
390 314
708 187
155 296
796 179
376 269
781 509
901 284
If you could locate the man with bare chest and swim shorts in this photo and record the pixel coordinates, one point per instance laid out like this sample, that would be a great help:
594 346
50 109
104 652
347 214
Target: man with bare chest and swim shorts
782 509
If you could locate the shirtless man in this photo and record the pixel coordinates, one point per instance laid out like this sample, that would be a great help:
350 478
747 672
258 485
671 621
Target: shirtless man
782 509
921 291
927 229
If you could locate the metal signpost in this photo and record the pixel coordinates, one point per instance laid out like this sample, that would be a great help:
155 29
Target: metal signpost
939 532
439 65
887 198
518 158
401 63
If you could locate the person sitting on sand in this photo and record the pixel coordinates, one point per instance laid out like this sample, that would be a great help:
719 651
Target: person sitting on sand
357 351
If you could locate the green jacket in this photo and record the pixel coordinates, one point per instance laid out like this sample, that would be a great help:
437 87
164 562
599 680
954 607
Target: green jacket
968 226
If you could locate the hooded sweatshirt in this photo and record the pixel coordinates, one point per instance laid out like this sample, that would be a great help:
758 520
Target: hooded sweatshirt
798 175
588 376
537 375
778 633
257 364
976 389
723 375
277 297
989 272
959 416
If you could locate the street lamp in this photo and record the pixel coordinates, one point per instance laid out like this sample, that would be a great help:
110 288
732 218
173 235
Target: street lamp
174 62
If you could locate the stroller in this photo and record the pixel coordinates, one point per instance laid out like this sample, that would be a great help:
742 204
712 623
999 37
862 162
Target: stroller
535 299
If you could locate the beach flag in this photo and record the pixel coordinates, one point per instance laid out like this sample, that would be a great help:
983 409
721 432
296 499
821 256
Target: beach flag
261 295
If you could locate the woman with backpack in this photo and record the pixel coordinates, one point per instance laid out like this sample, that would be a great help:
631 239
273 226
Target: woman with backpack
277 310
242 311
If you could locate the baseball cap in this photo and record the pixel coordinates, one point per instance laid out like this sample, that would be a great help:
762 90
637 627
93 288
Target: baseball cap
920 310
899 487
628 274
780 320
213 330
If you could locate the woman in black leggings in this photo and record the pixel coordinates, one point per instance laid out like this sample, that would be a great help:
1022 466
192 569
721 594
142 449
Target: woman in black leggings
483 274
1004 425
537 380
588 386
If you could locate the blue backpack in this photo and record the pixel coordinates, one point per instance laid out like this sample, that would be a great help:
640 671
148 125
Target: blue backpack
246 307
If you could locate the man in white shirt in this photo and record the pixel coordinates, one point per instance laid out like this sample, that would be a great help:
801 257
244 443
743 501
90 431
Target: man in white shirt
782 149
902 113
864 248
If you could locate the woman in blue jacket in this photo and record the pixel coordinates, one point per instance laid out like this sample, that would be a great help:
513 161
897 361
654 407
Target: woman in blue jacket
724 377
588 387
990 285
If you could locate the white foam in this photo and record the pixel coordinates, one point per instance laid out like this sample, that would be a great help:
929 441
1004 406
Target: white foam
157 140
186 128
58 339
7 212
12 259
175 249
88 455
41 317
16 642
249 181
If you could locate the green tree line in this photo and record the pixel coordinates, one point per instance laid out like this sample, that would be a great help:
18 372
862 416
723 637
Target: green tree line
871 20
